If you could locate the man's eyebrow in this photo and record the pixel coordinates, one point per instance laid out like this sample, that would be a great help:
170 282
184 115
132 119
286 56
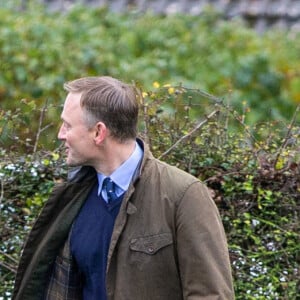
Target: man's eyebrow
64 120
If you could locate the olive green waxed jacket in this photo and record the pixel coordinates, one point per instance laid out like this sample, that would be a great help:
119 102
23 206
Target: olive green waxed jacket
168 241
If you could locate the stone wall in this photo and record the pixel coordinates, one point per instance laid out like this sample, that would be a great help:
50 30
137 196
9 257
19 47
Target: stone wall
260 14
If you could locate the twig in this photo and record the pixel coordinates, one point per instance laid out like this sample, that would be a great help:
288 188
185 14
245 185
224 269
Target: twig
220 101
217 100
199 125
8 267
9 257
40 129
1 195
287 137
145 118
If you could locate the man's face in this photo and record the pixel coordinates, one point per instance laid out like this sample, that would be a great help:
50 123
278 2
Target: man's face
78 138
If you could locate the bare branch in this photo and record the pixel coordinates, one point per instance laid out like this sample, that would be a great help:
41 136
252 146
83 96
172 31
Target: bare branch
9 257
287 137
199 125
1 195
40 129
145 119
8 267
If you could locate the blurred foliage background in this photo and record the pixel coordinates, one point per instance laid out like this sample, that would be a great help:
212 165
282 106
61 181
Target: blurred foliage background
40 50
219 101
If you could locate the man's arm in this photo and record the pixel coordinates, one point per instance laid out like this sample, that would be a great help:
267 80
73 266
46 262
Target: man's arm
202 248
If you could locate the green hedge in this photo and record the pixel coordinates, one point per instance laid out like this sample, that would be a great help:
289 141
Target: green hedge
253 174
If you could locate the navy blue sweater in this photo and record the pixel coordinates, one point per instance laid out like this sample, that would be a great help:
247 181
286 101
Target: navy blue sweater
90 239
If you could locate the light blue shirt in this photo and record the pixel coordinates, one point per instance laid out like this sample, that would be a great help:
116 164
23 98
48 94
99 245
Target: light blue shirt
122 176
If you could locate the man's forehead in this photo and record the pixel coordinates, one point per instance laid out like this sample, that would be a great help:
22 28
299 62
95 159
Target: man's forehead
73 97
71 105
72 101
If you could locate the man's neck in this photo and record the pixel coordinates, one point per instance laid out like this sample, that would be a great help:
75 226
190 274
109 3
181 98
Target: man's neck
113 155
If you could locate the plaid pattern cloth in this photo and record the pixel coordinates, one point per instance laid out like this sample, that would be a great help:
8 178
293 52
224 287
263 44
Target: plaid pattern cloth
65 281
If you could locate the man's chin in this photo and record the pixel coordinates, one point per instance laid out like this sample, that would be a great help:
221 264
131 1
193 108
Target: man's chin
72 163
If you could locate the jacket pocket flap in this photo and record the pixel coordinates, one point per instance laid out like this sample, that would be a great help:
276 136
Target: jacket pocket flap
151 244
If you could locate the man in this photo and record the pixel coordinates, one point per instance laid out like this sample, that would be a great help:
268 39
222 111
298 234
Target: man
126 226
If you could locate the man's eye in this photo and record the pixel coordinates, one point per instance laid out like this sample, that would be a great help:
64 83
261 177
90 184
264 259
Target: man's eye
67 126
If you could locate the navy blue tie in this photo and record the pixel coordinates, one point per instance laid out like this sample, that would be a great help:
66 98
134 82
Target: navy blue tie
109 186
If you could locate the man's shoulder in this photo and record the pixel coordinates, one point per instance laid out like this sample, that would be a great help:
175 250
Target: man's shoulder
172 173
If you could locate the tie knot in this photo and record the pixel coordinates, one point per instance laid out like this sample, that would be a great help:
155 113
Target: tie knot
109 187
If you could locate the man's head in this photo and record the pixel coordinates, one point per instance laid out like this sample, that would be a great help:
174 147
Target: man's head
110 101
97 110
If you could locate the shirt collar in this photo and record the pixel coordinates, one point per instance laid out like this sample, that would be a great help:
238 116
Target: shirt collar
122 176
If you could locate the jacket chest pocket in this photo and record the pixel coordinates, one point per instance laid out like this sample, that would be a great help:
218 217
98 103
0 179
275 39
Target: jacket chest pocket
151 244
151 250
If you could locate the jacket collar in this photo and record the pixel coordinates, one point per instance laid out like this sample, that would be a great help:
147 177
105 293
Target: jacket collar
81 173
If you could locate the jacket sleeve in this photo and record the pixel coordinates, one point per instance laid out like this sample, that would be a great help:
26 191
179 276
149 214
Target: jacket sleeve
202 248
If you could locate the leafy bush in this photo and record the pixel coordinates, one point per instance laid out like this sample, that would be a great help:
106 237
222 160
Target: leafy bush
40 50
25 184
252 173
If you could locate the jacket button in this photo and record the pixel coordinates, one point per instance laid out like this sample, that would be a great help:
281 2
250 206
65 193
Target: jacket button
150 249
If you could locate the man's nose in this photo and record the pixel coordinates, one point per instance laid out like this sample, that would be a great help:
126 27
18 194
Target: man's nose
61 133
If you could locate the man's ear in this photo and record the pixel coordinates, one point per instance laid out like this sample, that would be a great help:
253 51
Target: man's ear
101 131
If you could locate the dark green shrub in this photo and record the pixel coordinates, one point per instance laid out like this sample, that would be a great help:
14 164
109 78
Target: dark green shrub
252 172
